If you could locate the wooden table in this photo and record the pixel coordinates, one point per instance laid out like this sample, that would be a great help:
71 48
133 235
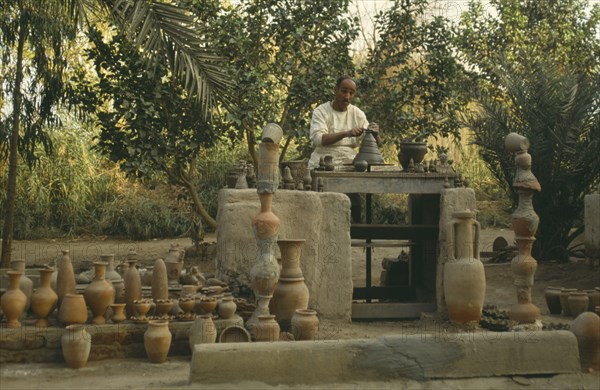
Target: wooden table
421 233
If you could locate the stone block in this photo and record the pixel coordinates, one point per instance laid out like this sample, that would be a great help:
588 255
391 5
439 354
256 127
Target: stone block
321 218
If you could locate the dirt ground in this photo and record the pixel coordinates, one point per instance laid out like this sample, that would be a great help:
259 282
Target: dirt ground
138 373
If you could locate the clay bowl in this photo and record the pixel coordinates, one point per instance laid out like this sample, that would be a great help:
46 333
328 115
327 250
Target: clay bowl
187 304
207 305
163 307
234 334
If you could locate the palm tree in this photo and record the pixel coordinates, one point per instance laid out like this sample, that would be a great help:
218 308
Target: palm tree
33 36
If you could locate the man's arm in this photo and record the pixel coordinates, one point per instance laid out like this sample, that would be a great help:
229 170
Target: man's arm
328 139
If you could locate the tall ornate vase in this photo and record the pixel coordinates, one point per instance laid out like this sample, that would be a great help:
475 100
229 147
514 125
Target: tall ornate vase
464 276
13 301
65 277
265 272
157 341
99 294
133 286
202 331
76 344
43 299
113 277
25 283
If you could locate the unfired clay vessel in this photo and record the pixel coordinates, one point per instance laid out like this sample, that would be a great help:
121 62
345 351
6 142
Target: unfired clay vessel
43 299
157 341
99 294
202 331
13 301
305 325
76 344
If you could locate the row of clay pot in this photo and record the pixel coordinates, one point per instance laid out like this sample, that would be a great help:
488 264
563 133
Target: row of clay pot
570 301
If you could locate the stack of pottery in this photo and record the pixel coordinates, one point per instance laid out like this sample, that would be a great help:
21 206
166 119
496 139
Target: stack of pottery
43 299
76 344
99 294
157 341
13 301
291 293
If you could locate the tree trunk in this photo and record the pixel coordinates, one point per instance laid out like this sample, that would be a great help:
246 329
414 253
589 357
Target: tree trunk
11 191
251 138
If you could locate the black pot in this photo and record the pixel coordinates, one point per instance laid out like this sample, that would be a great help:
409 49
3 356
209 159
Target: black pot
414 150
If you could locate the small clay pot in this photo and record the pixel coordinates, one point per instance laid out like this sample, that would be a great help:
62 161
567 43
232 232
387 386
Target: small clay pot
118 310
305 324
578 302
553 299
267 328
226 308
564 300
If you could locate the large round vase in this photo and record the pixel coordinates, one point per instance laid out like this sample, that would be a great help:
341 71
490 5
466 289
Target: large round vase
99 294
73 310
13 301
43 299
290 295
464 276
157 341
586 328
76 344
202 331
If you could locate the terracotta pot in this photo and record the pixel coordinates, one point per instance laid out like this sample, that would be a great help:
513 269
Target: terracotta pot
44 299
290 295
76 344
206 305
524 219
157 341
291 250
73 310
267 328
13 301
160 282
594 299
118 315
187 305
163 308
305 325
202 331
464 276
586 328
133 287
25 283
553 299
141 308
564 300
411 150
65 277
226 308
99 294
578 302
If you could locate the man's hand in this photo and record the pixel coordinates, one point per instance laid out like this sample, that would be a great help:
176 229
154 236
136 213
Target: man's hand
374 127
355 132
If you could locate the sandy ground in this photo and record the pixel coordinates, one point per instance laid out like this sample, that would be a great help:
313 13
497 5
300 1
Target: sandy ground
138 373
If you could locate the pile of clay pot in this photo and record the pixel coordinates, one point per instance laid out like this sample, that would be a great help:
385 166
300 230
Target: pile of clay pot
571 302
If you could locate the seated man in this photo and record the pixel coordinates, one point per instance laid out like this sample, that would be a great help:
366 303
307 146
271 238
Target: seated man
336 129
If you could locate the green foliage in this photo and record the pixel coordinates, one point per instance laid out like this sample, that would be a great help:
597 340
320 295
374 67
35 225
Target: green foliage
538 75
412 83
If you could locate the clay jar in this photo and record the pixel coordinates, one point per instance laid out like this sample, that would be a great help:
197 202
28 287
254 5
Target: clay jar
594 299
552 296
564 300
43 299
290 295
157 341
226 307
25 283
267 329
586 328
578 302
206 305
73 310
76 344
99 294
202 331
65 278
305 325
118 310
13 301
464 276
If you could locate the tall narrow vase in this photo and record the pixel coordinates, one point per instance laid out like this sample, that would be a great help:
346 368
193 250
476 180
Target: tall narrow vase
160 283
133 285
65 278
43 299
99 294
464 276
25 283
13 301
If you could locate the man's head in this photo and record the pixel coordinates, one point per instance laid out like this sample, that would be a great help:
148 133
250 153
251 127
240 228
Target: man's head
344 90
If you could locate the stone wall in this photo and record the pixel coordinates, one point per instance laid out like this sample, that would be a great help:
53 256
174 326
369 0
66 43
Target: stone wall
321 218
